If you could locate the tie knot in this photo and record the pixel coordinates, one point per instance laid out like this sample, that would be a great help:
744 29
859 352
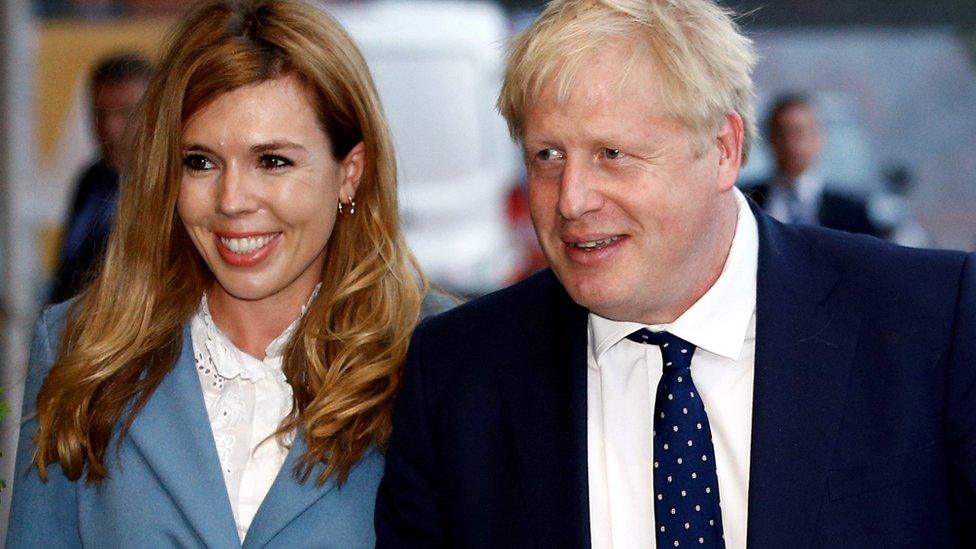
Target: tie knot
675 351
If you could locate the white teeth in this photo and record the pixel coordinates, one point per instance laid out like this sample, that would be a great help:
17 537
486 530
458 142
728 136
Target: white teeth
247 245
595 244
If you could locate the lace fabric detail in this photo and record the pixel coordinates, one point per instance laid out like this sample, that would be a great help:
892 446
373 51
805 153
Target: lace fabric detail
225 451
208 374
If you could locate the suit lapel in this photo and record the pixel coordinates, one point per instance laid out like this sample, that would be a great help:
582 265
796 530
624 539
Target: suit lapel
806 335
172 433
286 499
544 394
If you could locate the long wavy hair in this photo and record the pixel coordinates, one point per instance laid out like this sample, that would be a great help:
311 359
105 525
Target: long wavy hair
123 333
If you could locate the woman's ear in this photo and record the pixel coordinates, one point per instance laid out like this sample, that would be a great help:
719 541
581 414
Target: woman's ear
352 171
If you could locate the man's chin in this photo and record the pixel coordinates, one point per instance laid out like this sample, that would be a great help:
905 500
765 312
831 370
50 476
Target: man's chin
598 294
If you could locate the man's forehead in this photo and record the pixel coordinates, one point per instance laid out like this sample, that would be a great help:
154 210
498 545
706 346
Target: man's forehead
600 77
598 101
628 124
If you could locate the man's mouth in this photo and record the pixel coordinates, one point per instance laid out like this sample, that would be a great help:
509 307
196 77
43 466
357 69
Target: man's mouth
594 244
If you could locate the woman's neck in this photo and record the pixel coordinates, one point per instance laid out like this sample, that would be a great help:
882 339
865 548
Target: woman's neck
252 325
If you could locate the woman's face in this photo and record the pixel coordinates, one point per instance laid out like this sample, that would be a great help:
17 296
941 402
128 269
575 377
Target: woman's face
259 190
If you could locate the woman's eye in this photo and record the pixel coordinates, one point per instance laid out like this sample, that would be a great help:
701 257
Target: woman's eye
273 162
197 162
548 154
612 154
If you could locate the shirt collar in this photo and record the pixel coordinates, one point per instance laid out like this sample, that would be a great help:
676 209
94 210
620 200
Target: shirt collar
808 186
227 359
719 320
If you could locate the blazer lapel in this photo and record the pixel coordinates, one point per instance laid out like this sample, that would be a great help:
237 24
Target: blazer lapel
173 435
806 334
286 499
544 393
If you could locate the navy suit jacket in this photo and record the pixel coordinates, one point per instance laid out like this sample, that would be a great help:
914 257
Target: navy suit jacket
864 412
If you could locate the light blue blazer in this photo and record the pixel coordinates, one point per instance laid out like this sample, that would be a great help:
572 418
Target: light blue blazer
166 489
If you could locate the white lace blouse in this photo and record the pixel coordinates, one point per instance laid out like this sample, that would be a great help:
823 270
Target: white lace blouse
246 401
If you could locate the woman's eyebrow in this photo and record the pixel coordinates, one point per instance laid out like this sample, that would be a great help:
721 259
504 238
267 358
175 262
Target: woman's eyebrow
198 147
275 146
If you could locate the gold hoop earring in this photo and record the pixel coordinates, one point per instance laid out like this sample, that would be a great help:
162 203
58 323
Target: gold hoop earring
351 204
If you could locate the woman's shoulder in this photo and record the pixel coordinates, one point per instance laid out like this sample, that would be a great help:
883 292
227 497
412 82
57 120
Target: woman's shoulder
53 316
44 344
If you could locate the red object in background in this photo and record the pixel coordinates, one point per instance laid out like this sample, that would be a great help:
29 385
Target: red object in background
520 223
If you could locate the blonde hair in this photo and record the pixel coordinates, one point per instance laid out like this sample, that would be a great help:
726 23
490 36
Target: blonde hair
704 62
124 332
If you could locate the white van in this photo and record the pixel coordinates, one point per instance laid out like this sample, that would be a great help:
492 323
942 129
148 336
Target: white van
438 67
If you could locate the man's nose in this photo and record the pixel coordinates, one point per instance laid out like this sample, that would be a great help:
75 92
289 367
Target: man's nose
236 192
578 194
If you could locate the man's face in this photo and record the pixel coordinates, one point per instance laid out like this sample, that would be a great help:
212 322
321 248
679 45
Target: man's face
113 103
635 220
795 139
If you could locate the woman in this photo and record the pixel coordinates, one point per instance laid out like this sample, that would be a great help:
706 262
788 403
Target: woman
228 376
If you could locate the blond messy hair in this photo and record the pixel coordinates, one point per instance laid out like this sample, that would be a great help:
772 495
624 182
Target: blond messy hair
124 332
703 60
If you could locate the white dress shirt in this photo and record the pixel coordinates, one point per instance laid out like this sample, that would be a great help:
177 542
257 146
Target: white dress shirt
622 381
246 400
808 188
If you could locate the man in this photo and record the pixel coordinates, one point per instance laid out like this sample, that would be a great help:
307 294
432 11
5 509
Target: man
691 372
117 85
797 194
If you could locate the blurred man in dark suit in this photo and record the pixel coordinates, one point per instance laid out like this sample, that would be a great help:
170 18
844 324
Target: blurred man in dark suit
117 85
797 194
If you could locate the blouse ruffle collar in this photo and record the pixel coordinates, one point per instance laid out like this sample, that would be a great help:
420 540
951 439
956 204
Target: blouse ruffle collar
231 362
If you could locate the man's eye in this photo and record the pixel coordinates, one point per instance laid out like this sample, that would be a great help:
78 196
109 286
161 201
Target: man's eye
273 162
548 154
197 162
612 154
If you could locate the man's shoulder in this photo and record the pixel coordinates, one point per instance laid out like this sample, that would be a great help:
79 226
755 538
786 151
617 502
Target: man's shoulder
500 313
538 290
875 263
467 345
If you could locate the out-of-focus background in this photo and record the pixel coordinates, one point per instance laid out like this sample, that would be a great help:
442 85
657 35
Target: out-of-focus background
892 82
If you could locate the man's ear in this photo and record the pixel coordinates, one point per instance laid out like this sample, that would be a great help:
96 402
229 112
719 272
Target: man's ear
352 171
729 140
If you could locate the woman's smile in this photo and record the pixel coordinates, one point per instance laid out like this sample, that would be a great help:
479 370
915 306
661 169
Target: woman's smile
246 250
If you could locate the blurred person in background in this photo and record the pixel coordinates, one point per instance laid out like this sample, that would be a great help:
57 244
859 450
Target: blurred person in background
228 375
797 194
118 83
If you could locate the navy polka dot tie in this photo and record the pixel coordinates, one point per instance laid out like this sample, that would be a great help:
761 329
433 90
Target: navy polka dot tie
686 504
